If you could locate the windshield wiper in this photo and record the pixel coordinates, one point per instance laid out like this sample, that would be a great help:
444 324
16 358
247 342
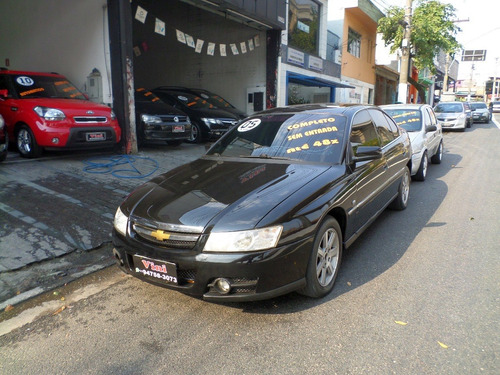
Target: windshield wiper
266 156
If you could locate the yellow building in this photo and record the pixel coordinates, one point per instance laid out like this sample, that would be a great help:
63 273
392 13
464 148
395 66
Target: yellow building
355 22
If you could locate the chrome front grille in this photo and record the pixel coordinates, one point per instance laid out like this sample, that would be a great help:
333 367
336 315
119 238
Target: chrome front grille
165 237
90 119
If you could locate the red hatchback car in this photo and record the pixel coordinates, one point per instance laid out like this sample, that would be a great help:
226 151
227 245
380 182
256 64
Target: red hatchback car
46 111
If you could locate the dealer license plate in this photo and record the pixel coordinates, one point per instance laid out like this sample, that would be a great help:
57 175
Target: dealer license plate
96 136
156 269
178 129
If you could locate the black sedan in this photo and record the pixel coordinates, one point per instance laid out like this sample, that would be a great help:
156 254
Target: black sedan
271 206
158 121
208 121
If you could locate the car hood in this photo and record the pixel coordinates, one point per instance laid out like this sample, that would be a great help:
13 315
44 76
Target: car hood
70 107
228 195
415 138
158 108
448 115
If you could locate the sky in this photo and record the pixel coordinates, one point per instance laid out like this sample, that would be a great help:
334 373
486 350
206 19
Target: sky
480 31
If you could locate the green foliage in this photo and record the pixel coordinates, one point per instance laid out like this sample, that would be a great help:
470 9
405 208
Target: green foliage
432 31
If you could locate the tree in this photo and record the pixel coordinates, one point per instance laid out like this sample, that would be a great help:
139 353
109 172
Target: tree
432 31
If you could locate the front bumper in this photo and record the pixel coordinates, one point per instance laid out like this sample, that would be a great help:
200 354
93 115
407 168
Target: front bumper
453 124
254 276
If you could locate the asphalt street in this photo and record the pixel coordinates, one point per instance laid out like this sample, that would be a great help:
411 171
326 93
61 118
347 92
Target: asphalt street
417 293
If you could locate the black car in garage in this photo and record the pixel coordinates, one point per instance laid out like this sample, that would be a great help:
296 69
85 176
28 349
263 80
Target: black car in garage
212 98
271 206
208 121
158 121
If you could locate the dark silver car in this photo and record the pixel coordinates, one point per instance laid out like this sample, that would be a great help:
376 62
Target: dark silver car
480 112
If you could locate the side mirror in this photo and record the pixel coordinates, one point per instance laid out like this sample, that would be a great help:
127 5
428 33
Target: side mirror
431 128
364 153
4 94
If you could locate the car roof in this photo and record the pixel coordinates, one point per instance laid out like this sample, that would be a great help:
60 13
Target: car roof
336 108
402 105
22 72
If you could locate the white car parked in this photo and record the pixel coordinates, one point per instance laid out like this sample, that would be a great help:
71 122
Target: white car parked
425 132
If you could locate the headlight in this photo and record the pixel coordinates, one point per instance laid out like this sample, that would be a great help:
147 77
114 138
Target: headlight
113 115
2 122
148 119
249 240
50 114
120 222
211 121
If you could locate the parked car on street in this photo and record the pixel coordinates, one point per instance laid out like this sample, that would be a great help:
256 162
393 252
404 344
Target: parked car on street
158 121
480 112
214 99
270 208
4 140
208 121
425 133
45 110
454 115
495 107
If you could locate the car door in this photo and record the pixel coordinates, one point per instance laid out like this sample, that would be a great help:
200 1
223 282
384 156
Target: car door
370 176
432 137
8 107
394 154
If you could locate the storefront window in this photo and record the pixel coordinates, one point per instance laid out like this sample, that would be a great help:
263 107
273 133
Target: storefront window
303 25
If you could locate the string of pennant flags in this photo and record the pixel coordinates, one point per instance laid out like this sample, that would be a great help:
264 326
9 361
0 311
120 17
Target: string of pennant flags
198 44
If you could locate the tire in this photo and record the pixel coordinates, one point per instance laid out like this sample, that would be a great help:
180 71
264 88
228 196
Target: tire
401 201
195 136
438 157
325 259
26 143
422 170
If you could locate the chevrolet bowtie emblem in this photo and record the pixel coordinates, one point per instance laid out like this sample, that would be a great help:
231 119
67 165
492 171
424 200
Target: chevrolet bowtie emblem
160 235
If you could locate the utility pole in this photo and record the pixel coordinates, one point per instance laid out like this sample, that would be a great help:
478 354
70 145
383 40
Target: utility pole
405 58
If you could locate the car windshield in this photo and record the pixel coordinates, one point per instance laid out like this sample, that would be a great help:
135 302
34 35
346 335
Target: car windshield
145 96
310 137
448 108
408 119
192 101
37 86
478 106
216 100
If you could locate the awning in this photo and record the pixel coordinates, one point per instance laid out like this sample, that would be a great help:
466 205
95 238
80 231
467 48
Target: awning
315 81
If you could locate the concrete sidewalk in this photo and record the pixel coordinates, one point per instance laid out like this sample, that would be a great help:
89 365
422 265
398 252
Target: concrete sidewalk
56 212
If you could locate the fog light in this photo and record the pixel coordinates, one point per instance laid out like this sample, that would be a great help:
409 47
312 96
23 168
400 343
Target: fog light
55 141
222 285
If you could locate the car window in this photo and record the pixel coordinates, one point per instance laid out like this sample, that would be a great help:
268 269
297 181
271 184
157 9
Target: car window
432 116
35 86
384 132
449 108
316 137
478 106
143 95
191 100
214 99
408 118
363 131
426 118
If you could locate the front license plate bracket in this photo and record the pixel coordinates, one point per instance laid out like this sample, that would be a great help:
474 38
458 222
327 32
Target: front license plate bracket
155 269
